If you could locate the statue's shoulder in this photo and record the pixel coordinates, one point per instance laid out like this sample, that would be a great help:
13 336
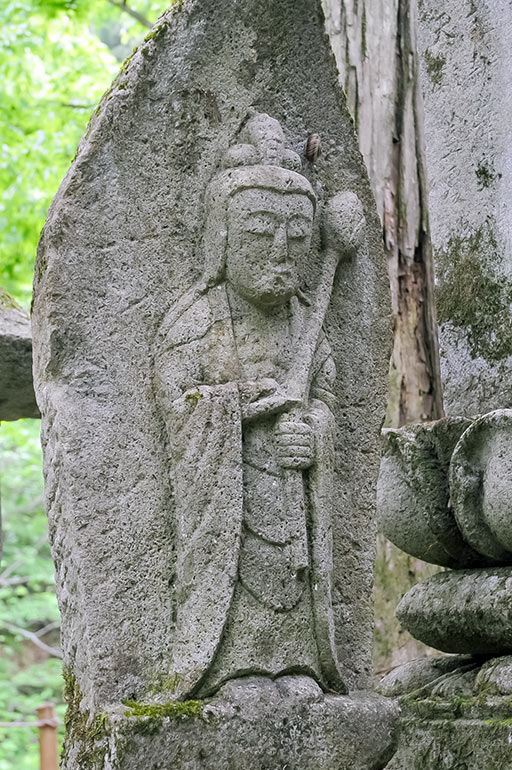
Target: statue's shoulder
192 316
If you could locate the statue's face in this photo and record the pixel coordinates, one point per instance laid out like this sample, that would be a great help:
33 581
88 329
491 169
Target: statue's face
269 234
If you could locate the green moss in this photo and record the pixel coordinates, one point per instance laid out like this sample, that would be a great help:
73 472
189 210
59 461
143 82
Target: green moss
155 33
146 718
485 174
181 709
435 66
363 33
193 398
497 722
469 296
87 734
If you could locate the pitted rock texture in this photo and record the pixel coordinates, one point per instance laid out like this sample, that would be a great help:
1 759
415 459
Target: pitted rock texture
466 611
252 724
121 246
17 397
481 485
456 712
413 493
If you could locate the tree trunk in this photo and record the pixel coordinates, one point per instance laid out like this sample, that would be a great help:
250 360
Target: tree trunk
374 42
375 46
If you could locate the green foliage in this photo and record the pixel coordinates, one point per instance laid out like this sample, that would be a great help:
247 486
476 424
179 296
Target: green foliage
27 597
58 57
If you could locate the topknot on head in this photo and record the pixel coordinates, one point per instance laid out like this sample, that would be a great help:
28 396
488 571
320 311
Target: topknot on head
263 145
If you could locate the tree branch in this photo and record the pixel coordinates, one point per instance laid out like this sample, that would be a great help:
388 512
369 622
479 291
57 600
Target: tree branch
134 14
53 651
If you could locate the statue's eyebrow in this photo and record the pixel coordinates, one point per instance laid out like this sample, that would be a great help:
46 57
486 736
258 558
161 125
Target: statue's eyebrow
267 212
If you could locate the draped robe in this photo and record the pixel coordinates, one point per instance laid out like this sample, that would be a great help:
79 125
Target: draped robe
240 548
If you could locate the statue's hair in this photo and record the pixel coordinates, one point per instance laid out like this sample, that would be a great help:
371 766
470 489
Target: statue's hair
265 164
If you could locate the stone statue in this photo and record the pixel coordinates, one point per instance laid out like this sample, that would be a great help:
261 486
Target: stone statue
211 349
444 495
244 376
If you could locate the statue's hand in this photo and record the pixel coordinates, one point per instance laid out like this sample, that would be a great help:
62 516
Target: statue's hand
263 398
295 448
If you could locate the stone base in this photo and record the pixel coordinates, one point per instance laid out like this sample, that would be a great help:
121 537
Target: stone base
457 717
251 724
478 741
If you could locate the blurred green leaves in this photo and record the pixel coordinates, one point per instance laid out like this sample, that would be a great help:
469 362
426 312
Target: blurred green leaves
55 63
57 57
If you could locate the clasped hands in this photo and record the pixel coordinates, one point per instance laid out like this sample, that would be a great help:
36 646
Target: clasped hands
295 441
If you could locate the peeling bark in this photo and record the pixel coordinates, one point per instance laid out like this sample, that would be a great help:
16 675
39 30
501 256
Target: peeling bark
375 46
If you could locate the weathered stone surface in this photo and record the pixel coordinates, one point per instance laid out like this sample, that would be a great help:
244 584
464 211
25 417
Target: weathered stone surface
481 485
437 740
16 390
465 54
460 718
413 493
251 724
210 428
462 611
418 673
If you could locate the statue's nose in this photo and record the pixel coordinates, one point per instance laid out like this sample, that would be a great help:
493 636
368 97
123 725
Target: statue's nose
280 248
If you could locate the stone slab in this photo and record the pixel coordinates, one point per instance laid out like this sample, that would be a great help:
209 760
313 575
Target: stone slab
460 719
123 244
467 611
17 397
481 485
251 724
413 494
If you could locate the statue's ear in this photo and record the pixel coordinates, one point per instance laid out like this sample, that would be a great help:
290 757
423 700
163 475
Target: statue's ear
215 238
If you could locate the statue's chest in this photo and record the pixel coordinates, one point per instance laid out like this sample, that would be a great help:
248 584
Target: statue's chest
264 349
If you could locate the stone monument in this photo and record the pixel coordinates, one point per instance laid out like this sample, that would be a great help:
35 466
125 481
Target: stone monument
211 341
445 496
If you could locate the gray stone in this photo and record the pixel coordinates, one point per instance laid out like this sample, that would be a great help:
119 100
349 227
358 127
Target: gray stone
418 673
481 485
245 562
465 55
413 494
459 719
495 676
251 724
210 425
465 611
17 398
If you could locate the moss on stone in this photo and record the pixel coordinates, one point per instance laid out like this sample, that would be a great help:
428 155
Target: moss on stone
175 709
363 33
7 302
87 734
486 174
193 398
435 66
470 296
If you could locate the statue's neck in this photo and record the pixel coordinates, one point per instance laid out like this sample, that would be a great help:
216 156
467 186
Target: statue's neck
242 309
263 337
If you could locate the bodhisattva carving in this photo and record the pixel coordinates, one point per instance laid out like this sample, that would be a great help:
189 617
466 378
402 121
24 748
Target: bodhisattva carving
244 375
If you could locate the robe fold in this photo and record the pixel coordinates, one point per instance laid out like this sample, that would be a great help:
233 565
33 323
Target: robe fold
197 377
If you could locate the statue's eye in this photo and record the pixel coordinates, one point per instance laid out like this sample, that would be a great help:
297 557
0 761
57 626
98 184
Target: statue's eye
260 225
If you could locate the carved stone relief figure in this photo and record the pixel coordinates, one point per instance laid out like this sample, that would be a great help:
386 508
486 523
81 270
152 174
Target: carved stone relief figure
244 377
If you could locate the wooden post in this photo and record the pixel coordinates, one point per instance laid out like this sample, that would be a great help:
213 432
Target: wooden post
48 746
